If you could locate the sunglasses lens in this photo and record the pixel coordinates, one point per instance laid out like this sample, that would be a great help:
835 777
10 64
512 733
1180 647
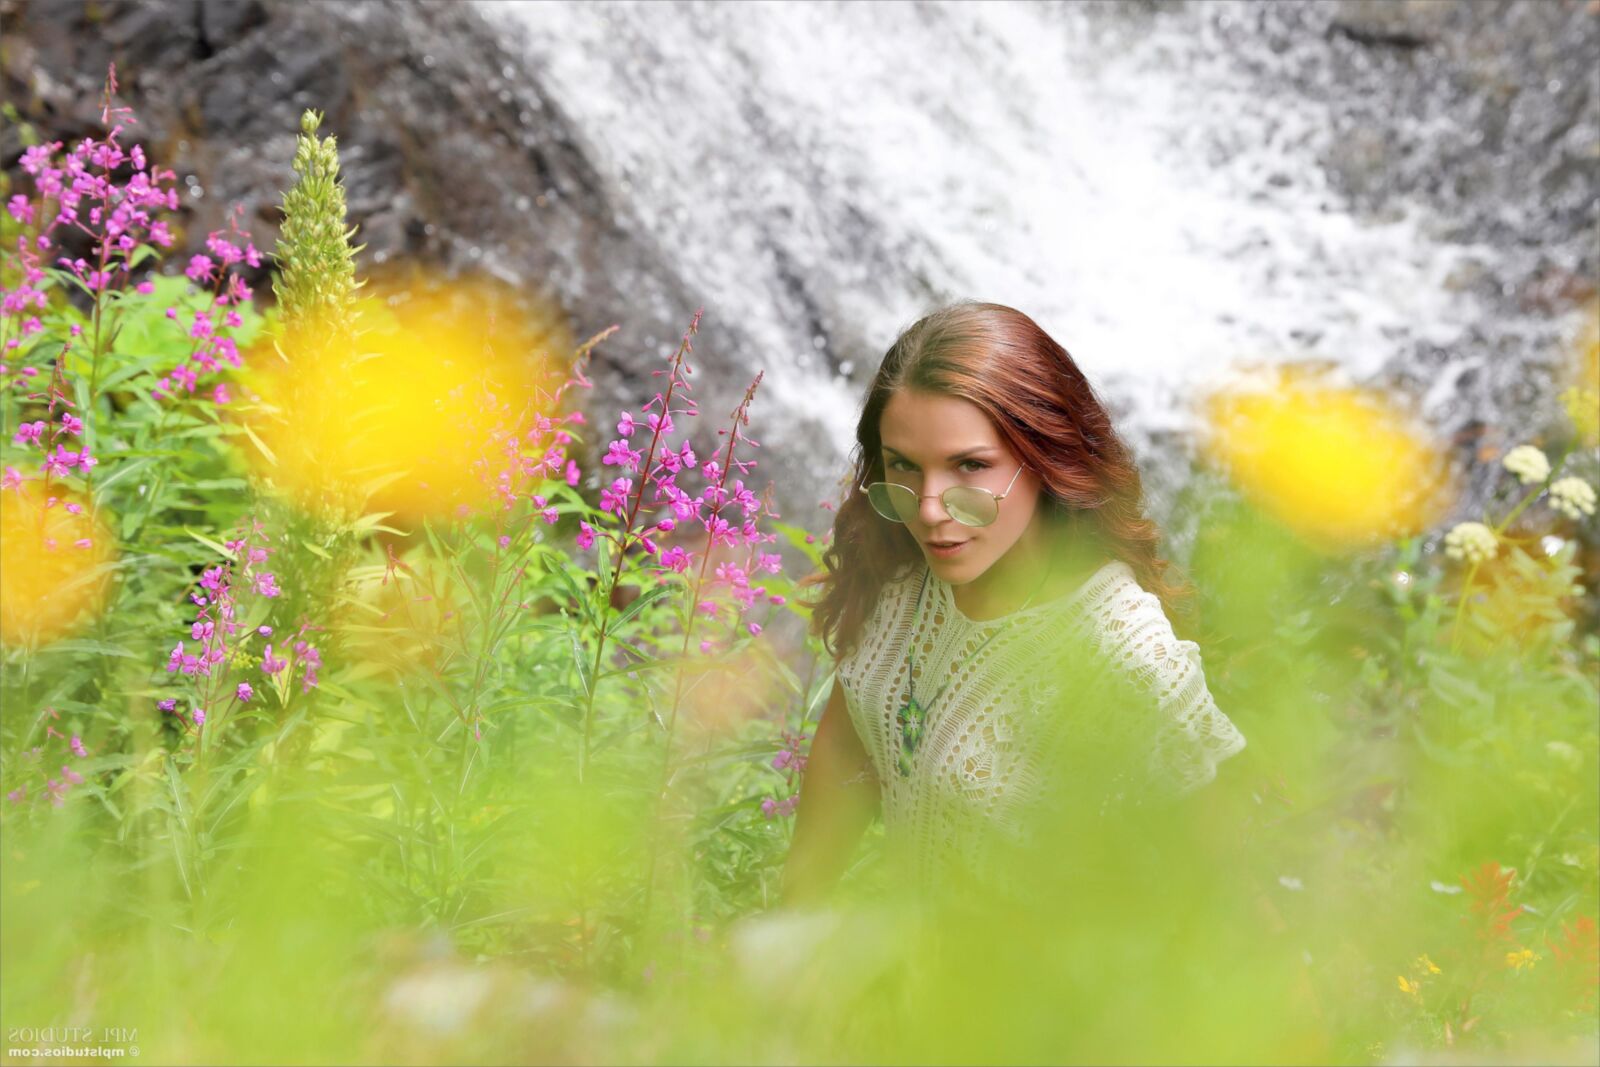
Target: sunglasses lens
897 503
970 506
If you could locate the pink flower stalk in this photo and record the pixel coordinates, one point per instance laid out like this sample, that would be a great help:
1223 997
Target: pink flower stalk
215 349
82 190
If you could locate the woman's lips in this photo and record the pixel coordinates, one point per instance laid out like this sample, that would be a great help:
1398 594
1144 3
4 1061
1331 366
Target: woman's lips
946 551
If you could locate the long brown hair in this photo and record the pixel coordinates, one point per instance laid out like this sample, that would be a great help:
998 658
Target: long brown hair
1049 416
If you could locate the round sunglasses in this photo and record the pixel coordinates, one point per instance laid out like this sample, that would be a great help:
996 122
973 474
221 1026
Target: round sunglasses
969 505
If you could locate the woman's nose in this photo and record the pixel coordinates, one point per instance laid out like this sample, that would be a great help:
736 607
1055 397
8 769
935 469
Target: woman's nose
931 508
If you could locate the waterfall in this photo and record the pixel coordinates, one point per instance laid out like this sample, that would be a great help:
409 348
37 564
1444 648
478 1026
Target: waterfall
1150 184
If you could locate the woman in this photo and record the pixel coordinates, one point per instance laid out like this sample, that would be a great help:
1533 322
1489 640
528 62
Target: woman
991 585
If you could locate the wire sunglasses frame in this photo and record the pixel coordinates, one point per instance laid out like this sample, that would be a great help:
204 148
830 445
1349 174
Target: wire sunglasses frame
970 505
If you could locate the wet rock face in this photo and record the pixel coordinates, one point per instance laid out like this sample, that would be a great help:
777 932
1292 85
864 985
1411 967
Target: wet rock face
451 156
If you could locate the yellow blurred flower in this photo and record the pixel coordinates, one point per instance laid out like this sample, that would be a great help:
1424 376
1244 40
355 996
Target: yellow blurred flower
1521 958
1425 964
418 415
55 556
1582 398
1338 465
1409 987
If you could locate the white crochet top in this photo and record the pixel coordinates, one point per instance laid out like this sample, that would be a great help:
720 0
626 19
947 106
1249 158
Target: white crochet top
984 749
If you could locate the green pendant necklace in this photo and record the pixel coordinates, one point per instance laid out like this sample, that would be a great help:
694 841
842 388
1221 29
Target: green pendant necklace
912 718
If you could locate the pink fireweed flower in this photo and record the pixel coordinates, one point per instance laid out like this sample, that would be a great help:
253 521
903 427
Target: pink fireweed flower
167 705
266 585
12 479
179 660
57 792
244 692
198 716
18 795
585 535
310 661
77 746
71 775
271 664
771 808
70 423
621 455
615 499
29 433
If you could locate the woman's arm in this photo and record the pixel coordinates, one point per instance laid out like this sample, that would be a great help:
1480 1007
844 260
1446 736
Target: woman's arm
838 798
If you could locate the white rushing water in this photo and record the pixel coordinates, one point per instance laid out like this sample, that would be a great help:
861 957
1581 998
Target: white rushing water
823 174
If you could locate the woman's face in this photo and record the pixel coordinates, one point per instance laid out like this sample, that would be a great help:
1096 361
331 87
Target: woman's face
931 442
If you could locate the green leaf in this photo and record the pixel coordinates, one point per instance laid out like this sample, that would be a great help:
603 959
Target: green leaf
259 443
98 648
204 540
640 603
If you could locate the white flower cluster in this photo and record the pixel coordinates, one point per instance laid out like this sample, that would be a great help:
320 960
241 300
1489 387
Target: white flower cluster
1528 463
1471 541
1573 497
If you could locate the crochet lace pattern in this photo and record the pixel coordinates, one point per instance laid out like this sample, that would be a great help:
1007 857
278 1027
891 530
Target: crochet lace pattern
991 747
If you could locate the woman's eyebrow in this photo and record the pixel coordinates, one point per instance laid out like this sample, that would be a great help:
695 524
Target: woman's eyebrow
952 459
